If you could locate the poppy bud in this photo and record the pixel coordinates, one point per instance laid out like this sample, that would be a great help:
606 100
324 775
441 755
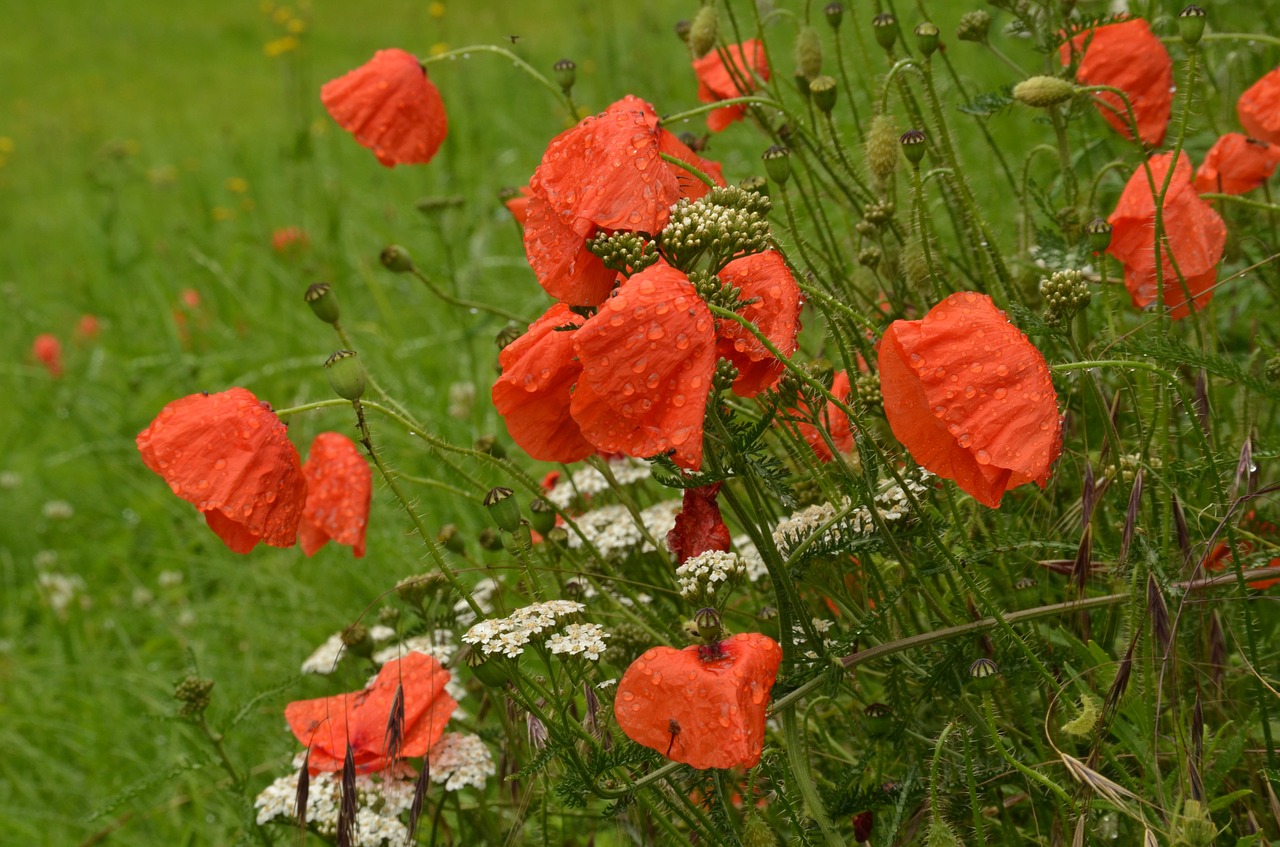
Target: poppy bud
451 539
1099 234
756 831
703 31
882 148
491 445
869 257
941 834
912 142
503 508
506 335
557 535
802 85
346 374
323 302
193 694
834 13
490 672
397 259
983 674
682 30
885 27
974 26
1024 583
777 163
1041 92
823 89
542 516
566 74
356 639
756 184
490 539
878 719
927 35
808 50
1194 827
1191 21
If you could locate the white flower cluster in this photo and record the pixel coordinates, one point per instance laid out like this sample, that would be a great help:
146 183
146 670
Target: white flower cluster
588 481
751 558
380 802
327 655
579 639
821 627
613 532
460 759
700 575
482 592
844 519
509 635
438 644
60 590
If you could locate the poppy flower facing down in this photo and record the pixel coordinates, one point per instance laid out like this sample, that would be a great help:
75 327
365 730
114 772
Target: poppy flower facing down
230 456
47 350
701 706
834 421
765 278
1195 235
720 80
1259 108
1127 56
339 488
391 107
699 526
1236 164
970 397
361 718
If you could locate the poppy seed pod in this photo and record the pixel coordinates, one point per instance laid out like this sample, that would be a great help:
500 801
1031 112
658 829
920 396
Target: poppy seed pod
1191 21
913 144
808 52
777 163
885 27
756 185
503 508
983 674
323 302
1042 92
927 38
566 74
489 671
1099 232
396 259
704 30
834 13
878 719
542 516
451 539
346 374
823 90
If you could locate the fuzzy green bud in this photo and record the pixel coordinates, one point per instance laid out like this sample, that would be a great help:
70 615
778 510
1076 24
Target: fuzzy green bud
1194 827
193 694
940 834
503 508
1042 92
566 74
703 31
823 89
882 148
974 26
834 13
323 302
756 831
396 259
777 163
915 264
346 374
808 50
1099 232
913 144
885 27
1191 21
927 38
542 516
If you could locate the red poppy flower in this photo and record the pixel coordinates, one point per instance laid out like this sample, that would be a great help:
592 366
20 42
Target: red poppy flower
699 526
339 488
834 421
1220 557
970 397
88 327
230 456
1236 164
1259 108
700 706
720 81
360 719
1195 235
538 374
290 239
518 205
765 278
47 350
647 357
391 107
1127 56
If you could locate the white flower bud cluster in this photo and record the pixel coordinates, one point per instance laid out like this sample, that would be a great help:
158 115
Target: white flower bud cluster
727 222
843 519
702 574
509 635
613 532
588 481
460 759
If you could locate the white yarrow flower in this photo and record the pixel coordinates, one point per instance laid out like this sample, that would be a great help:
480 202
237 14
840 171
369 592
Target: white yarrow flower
460 759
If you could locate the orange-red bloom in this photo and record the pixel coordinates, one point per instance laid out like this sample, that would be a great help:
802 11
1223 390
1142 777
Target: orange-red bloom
339 488
701 706
290 239
699 526
834 421
1127 56
1220 557
1194 234
970 397
47 350
1259 108
765 278
718 80
230 456
360 719
518 204
1236 164
391 107
88 327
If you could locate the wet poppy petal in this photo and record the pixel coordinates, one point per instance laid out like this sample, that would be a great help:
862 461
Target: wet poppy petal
339 489
647 360
1127 56
765 278
1236 164
720 81
565 267
970 397
691 188
1259 108
391 107
699 526
834 421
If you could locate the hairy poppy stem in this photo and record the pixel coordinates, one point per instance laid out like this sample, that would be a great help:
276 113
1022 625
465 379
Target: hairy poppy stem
537 77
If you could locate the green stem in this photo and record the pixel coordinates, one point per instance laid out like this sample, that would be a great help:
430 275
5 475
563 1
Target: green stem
804 779
533 73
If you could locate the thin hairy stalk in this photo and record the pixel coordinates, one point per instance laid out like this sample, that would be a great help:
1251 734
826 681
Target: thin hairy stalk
521 64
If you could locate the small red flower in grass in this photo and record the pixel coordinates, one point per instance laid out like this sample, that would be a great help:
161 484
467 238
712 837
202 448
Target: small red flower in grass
834 421
339 488
1127 56
1236 164
230 456
719 79
47 350
765 278
703 706
88 328
699 526
1195 235
1259 108
361 719
290 239
1219 559
970 397
391 107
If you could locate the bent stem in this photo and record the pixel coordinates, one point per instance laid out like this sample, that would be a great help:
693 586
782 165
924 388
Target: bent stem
465 52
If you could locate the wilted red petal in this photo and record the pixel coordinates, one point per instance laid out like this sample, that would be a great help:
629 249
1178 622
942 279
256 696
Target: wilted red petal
328 724
970 397
532 395
339 488
763 277
704 712
1127 56
391 107
647 360
1259 108
558 254
518 205
1194 233
47 350
1236 164
691 188
720 81
230 456
699 526
834 421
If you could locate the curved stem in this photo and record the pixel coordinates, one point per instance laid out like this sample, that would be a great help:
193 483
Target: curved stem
533 72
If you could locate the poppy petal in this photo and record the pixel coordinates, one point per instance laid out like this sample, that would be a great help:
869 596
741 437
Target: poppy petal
391 107
834 421
699 526
565 267
1127 56
691 188
339 489
1259 108
765 278
1236 164
720 81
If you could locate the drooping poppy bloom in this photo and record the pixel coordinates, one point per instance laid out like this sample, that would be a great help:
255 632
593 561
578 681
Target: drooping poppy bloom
230 456
1127 56
1259 108
727 73
339 488
970 397
47 350
701 706
360 719
391 107
699 526
1236 164
834 421
765 278
1194 234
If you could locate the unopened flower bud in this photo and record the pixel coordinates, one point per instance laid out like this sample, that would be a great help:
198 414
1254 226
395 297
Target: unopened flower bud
756 831
490 672
808 49
389 616
1065 294
885 27
557 535
414 590
882 148
542 516
323 302
490 539
974 26
356 639
193 694
1099 232
346 374
682 29
802 85
777 163
823 89
983 674
913 144
396 258
503 508
834 13
450 538
566 74
756 184
703 31
870 257
491 445
1191 21
927 36
1041 92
